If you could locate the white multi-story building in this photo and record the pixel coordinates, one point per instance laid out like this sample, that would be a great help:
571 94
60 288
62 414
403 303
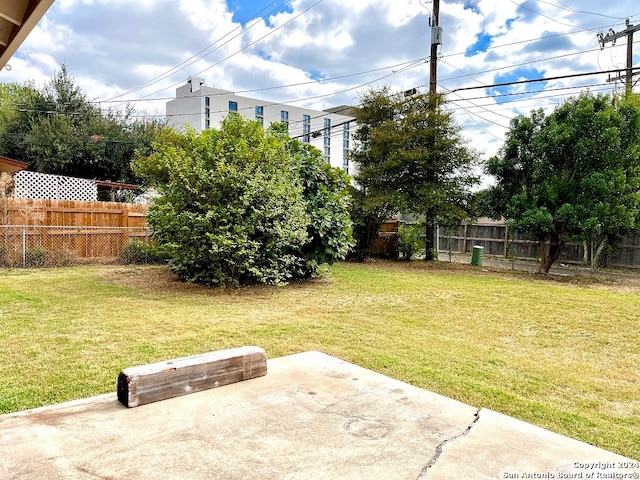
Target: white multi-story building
202 107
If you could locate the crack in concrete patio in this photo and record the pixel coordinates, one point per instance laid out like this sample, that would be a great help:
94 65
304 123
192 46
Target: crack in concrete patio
442 444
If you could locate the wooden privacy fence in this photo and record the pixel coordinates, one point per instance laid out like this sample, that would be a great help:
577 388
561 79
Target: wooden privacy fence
61 232
70 213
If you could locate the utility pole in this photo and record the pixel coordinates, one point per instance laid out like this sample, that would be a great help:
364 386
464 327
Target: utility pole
436 39
612 36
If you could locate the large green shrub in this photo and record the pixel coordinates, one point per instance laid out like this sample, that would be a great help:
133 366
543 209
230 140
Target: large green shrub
231 209
327 202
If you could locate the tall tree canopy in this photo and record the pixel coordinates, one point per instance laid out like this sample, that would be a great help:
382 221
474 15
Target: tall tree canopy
57 130
411 158
572 175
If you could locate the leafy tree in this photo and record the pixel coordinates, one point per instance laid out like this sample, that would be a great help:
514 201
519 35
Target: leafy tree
20 107
411 158
231 209
58 130
572 175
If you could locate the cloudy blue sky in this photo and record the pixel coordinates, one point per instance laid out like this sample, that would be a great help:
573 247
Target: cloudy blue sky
323 53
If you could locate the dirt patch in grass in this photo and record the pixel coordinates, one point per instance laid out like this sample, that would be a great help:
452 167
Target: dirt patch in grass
151 277
161 279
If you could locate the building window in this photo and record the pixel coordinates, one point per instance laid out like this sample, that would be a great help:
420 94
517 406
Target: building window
284 115
327 127
233 106
206 112
206 101
306 128
207 124
260 115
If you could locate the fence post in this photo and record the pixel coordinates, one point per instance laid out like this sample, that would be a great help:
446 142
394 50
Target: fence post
464 240
506 241
24 247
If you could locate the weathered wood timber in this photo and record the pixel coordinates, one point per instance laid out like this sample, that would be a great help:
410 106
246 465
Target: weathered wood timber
159 381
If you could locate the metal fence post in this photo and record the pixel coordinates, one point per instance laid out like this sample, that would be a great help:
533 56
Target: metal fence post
24 247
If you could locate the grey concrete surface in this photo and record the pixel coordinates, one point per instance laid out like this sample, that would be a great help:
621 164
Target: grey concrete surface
311 417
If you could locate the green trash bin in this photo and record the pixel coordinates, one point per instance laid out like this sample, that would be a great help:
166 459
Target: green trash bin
476 256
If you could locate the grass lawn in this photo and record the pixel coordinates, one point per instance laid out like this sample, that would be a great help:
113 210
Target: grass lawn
562 354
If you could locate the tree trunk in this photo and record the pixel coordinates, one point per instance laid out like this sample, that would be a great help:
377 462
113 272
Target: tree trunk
548 258
429 240
372 229
595 261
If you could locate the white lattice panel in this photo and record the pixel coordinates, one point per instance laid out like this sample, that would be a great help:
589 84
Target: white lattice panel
54 187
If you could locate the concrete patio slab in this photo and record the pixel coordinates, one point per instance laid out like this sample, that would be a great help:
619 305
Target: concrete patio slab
311 417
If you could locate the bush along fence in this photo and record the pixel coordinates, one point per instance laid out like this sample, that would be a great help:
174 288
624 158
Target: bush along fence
498 241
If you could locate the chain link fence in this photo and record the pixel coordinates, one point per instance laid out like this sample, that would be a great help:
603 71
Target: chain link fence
28 246
497 241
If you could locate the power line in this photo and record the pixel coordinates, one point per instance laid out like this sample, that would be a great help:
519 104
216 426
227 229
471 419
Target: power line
529 93
483 118
570 9
546 59
534 80
520 5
